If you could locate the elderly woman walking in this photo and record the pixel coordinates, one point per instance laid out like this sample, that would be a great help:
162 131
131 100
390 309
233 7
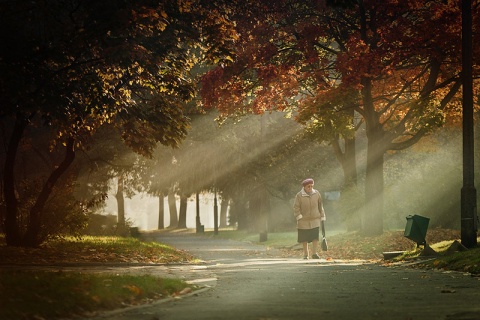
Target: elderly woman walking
308 211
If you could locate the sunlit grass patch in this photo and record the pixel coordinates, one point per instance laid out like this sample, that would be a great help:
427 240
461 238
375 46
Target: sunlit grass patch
115 245
465 261
51 295
444 258
95 249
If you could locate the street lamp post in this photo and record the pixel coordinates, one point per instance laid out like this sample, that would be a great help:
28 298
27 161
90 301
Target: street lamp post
468 193
215 214
198 223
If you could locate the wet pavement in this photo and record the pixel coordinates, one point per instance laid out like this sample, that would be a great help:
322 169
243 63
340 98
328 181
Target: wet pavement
247 281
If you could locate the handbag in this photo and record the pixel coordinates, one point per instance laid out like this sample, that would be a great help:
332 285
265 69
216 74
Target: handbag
324 240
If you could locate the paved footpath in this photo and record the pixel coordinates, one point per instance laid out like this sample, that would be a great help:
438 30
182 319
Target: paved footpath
246 281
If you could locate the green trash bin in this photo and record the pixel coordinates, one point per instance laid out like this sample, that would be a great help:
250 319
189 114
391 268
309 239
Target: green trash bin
416 229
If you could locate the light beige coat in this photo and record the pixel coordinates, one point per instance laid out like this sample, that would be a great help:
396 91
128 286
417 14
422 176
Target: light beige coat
308 209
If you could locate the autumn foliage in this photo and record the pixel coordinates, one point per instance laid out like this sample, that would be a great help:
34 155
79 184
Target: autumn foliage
71 68
396 65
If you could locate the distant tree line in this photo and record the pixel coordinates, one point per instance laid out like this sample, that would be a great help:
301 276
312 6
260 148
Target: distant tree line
183 97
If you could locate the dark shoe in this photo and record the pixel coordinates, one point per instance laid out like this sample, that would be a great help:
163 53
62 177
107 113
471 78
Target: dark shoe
305 257
315 256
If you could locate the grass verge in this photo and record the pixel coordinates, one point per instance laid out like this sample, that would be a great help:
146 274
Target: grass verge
463 260
54 295
29 293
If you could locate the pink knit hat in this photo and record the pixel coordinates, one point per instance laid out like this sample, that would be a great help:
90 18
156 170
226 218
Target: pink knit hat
307 181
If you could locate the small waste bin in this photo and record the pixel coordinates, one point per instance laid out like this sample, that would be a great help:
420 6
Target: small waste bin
134 232
416 229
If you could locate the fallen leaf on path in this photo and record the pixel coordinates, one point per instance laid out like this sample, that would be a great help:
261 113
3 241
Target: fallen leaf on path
185 291
133 289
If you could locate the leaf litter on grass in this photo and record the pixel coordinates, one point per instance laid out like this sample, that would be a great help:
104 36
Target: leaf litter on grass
53 295
95 250
353 245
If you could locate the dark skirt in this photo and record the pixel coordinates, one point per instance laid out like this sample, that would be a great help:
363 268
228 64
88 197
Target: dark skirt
308 235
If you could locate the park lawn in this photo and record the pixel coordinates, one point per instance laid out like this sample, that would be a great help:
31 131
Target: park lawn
55 295
29 293
90 249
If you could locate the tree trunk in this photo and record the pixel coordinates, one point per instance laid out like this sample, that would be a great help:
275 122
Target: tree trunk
255 212
32 236
347 160
347 156
223 213
120 203
350 183
350 168
172 207
161 212
372 218
238 209
372 222
260 209
2 216
265 210
12 230
182 219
